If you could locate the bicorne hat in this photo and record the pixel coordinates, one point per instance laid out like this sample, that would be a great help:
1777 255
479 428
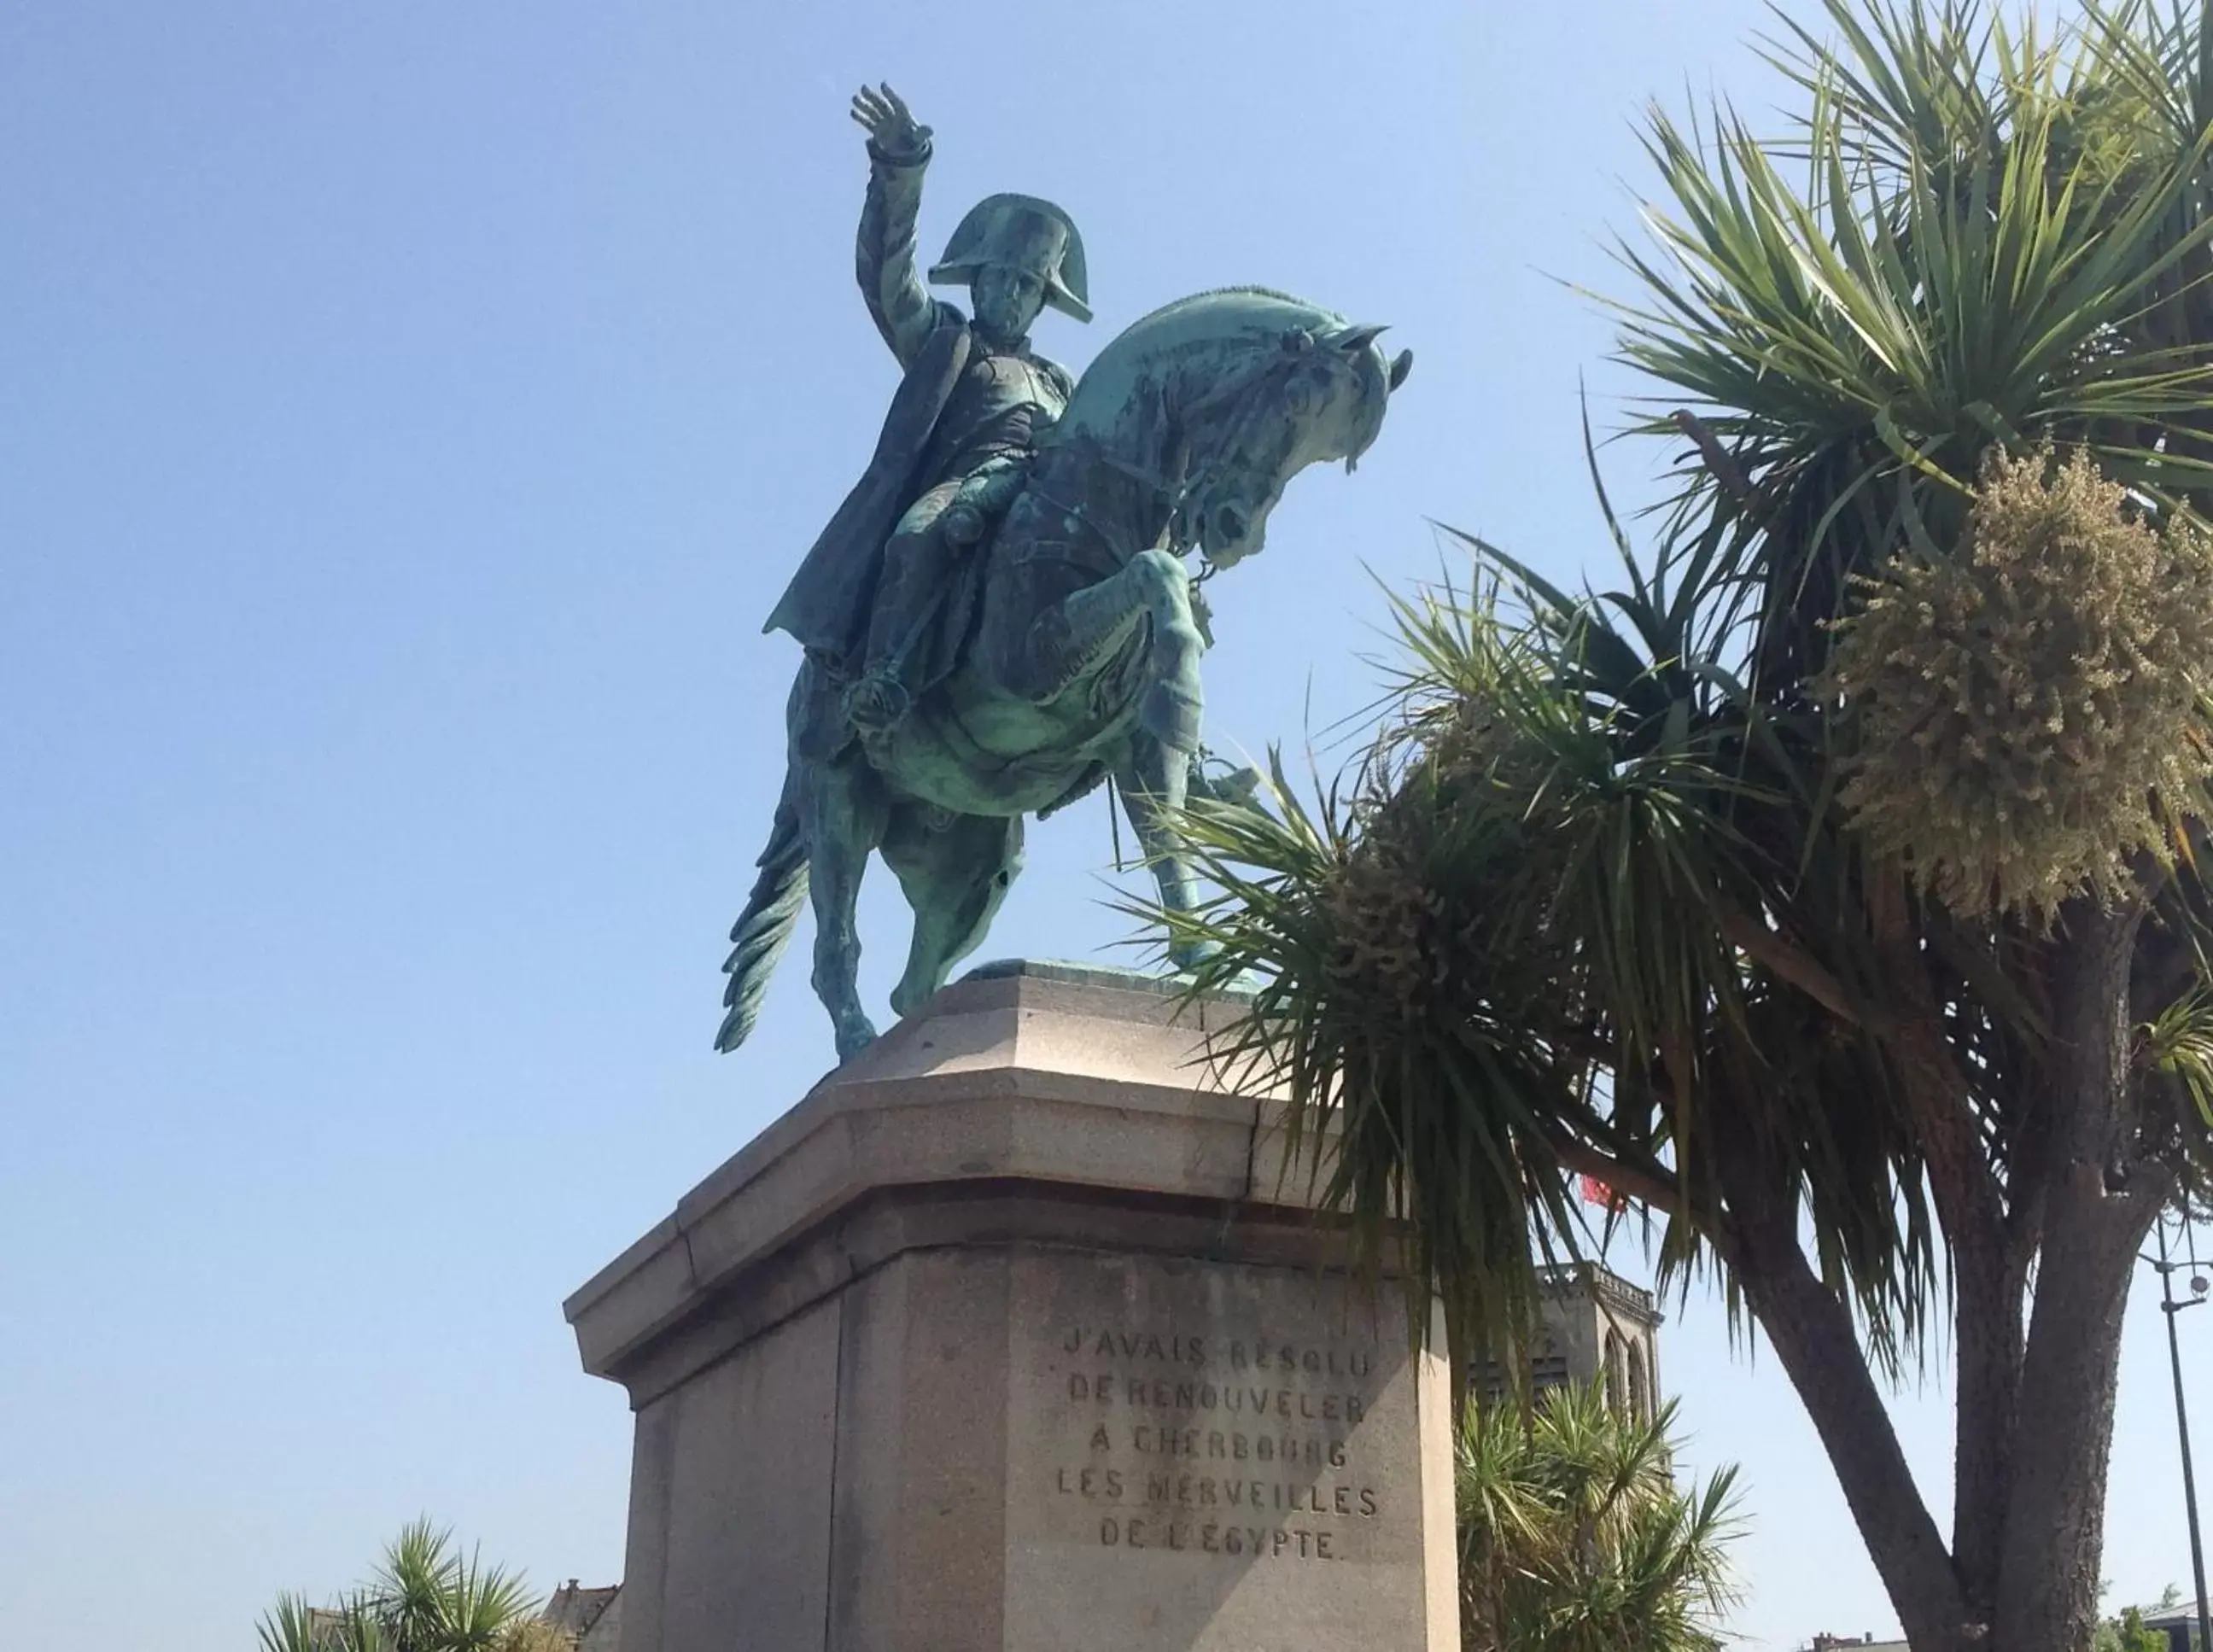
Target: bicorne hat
1026 233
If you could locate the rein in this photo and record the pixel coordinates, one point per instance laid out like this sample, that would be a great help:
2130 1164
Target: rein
1245 393
1088 450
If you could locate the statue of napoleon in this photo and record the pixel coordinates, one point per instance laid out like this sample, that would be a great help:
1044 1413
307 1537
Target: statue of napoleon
874 592
1000 616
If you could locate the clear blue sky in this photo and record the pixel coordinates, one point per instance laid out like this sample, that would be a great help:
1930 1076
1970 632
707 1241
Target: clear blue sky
407 415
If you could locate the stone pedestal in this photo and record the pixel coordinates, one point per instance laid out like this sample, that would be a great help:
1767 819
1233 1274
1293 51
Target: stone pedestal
1012 1335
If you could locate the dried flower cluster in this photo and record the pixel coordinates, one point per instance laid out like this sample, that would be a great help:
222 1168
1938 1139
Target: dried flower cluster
1404 906
1384 921
2027 708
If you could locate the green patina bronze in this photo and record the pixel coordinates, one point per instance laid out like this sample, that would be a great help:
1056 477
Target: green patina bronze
1000 616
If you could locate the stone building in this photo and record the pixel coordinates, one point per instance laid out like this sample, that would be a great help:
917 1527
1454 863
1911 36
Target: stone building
1592 1323
2179 1623
594 1616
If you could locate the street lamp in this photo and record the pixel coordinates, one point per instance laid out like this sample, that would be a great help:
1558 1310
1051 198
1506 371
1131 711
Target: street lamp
2169 1306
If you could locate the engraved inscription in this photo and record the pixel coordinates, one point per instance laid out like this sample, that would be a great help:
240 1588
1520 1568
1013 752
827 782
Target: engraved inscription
1241 1447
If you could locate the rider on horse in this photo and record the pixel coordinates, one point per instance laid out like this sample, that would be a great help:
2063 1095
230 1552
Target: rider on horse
963 672
886 593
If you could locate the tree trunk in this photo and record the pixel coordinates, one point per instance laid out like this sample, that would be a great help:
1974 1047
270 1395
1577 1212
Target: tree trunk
1987 1279
2055 1522
1814 1337
1986 1328
2070 1369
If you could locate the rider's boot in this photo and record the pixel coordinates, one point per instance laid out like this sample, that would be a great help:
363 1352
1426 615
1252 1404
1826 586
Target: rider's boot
879 699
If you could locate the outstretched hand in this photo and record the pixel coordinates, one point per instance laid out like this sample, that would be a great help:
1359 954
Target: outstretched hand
890 125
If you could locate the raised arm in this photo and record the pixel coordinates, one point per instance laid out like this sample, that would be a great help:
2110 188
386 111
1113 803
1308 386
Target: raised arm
899 149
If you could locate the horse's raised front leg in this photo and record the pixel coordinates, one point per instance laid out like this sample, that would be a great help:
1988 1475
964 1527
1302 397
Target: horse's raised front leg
1089 625
845 822
954 875
1154 784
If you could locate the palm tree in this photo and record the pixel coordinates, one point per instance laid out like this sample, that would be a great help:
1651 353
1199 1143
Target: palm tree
1574 1536
424 1596
1833 886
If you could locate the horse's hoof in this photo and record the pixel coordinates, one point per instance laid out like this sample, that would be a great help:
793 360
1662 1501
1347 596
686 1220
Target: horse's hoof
1236 788
853 1037
1188 957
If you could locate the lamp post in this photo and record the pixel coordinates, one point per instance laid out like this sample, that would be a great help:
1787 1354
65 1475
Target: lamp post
2170 1307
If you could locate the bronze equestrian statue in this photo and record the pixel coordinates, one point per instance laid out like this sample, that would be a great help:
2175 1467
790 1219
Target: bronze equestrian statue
1000 615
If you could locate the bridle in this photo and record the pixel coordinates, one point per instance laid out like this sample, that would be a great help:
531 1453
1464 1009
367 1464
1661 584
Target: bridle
1252 395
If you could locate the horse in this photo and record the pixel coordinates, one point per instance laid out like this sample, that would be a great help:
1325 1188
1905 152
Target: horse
1078 648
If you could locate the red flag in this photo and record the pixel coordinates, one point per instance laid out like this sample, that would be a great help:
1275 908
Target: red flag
1595 1192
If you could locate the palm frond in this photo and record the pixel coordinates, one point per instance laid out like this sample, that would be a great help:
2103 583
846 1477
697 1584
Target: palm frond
1957 269
289 1626
2178 1042
1575 1537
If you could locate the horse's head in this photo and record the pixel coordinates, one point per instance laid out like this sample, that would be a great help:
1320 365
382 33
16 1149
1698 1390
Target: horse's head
1222 398
1312 393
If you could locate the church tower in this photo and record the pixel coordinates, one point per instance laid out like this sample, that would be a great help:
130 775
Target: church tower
1592 1323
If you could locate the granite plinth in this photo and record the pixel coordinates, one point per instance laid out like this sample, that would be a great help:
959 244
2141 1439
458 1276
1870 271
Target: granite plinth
1015 1334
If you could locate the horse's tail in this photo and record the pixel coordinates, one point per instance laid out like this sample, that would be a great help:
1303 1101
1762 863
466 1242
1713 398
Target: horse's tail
759 936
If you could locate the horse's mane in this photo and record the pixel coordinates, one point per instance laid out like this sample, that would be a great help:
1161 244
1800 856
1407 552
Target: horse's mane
1235 308
1243 318
1276 293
